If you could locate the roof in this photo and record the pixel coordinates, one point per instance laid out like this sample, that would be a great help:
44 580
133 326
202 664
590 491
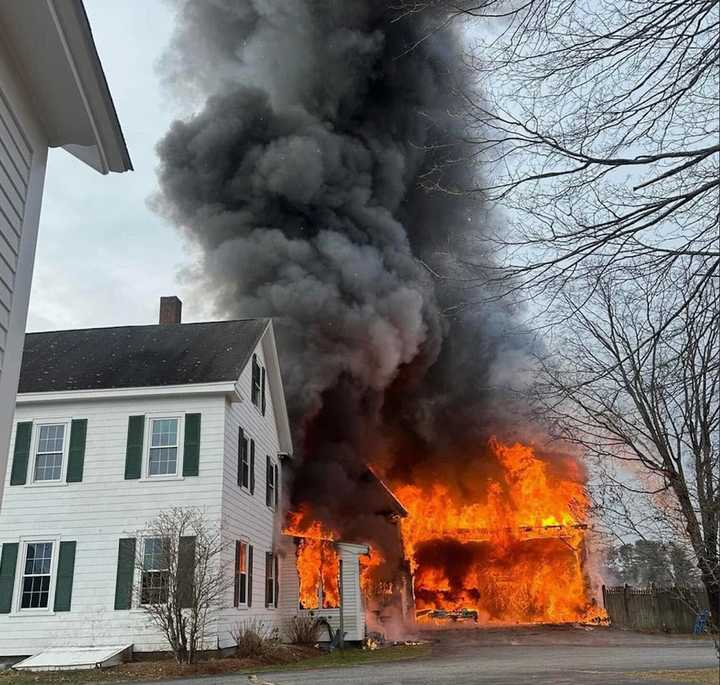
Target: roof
138 356
53 47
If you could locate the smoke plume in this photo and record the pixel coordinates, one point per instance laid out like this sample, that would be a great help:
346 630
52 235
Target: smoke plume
301 176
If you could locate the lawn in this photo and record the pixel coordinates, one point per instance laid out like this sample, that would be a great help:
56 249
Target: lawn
294 659
698 676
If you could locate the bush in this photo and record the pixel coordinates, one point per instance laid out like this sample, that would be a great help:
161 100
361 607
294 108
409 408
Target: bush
303 630
255 640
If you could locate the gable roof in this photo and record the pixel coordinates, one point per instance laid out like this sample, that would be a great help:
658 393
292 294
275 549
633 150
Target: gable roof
138 356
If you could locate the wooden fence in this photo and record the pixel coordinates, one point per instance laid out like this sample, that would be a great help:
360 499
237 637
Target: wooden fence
668 610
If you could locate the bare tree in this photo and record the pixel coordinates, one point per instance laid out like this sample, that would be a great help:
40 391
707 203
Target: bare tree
595 123
653 409
180 580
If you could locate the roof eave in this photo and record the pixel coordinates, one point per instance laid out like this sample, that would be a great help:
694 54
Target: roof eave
76 35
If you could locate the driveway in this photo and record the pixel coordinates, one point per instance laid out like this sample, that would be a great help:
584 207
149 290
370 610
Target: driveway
541 656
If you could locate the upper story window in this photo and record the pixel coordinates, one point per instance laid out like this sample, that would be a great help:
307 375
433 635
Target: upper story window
257 393
163 450
49 452
271 483
246 461
37 573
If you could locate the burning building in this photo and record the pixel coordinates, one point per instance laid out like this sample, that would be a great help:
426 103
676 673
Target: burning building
309 180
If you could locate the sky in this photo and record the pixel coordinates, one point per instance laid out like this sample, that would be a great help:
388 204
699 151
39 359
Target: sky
104 257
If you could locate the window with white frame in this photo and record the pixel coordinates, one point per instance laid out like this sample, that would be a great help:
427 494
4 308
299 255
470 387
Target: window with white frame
163 447
270 579
241 573
37 572
49 452
155 571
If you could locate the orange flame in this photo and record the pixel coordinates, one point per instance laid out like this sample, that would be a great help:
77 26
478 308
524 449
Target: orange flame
515 556
318 563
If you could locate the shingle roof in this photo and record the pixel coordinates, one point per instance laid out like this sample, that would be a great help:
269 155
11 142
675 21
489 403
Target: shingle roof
138 356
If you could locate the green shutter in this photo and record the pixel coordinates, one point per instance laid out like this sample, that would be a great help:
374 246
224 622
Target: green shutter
277 579
21 456
186 571
250 576
262 403
76 454
191 453
252 467
125 573
66 568
8 562
133 454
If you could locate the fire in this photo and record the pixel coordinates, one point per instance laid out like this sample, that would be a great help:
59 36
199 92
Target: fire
317 560
514 555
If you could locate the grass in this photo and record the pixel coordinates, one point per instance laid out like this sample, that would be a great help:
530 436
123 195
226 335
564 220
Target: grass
166 669
354 657
698 676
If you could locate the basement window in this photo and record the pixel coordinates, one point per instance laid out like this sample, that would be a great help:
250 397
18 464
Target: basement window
36 575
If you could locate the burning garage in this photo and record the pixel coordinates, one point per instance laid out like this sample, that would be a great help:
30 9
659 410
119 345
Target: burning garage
309 181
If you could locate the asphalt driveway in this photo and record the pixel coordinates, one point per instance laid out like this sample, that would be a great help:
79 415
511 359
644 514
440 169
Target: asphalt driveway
542 656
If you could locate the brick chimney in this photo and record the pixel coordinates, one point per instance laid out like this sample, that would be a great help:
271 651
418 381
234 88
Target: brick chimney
170 310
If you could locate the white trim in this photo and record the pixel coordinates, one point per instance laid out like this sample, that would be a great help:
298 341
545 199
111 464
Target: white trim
147 441
221 387
23 542
30 481
243 606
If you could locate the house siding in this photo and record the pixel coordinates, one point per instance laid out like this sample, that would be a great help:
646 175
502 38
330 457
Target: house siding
23 156
96 513
245 516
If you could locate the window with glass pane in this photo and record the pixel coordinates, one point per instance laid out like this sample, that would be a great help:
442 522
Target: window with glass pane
36 575
49 452
155 572
241 572
163 447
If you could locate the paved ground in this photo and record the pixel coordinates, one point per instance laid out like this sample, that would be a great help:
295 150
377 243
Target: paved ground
541 656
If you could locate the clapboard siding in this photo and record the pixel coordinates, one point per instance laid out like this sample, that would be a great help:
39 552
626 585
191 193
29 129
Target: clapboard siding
15 164
100 510
245 516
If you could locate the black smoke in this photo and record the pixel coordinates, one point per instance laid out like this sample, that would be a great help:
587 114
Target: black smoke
303 178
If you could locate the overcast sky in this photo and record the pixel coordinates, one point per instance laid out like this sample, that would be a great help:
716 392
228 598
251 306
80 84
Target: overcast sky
103 257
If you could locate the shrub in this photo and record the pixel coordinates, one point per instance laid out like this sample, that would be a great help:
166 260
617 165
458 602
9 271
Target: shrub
303 630
255 640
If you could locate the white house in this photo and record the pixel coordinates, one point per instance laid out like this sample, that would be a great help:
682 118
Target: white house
52 94
114 425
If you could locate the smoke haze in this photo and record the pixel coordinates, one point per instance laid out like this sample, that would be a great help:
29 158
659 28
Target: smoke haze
299 176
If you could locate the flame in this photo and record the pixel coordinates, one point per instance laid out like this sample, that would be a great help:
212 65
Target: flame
317 561
514 556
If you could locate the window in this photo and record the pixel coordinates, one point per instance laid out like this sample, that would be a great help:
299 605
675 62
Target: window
271 484
246 461
241 573
155 571
271 579
49 451
258 385
255 388
36 575
163 455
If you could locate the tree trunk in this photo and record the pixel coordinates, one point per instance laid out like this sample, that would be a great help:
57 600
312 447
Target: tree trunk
712 587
